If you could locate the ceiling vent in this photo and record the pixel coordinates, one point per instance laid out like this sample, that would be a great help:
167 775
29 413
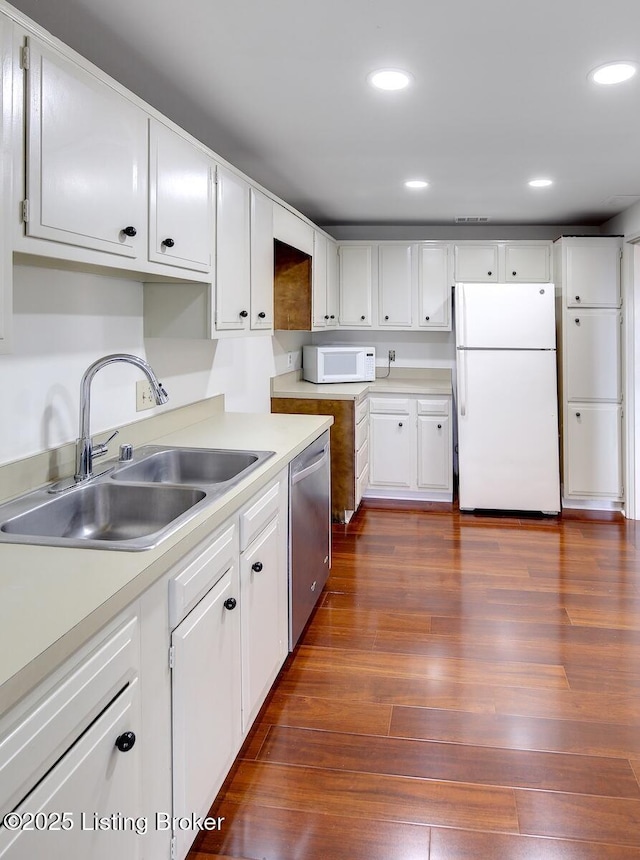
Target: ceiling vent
471 219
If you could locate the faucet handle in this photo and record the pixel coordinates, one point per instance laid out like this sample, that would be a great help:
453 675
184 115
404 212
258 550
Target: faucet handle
101 449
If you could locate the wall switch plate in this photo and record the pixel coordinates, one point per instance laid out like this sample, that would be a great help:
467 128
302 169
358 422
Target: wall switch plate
289 359
144 396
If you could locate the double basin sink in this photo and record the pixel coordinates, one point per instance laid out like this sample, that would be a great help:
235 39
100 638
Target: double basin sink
131 506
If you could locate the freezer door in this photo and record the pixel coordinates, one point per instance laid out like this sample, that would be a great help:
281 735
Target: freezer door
508 430
505 316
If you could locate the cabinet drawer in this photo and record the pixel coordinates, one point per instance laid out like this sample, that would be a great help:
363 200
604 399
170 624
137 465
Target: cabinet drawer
52 725
362 410
362 433
362 458
433 407
258 514
390 405
201 574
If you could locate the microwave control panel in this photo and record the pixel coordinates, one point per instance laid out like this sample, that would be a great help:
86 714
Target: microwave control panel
370 366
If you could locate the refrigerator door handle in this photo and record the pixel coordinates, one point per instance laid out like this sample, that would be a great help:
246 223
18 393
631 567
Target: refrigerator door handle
461 326
462 379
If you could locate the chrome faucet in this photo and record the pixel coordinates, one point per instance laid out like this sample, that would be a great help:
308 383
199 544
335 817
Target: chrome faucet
86 451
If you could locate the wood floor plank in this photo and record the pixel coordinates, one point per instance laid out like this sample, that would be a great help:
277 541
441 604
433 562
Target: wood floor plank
328 714
465 845
516 732
451 762
622 708
374 796
267 833
571 816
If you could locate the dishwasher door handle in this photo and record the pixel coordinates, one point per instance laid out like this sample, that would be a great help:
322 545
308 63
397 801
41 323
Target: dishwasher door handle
312 467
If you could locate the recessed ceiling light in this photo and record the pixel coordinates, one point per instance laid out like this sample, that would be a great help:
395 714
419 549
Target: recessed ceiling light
613 73
540 183
416 183
389 79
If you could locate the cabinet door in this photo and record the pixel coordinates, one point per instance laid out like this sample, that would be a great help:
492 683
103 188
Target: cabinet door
395 282
592 273
233 273
261 261
592 451
476 263
332 283
86 159
391 452
592 352
319 281
92 782
6 262
205 701
434 452
527 263
180 201
434 287
355 285
263 640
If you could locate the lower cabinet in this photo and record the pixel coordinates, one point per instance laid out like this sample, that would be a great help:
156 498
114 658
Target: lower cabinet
410 448
593 462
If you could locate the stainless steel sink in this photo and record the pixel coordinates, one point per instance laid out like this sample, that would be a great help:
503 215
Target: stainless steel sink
131 506
194 466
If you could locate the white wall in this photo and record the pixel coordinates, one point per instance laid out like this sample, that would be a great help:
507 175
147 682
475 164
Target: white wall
413 348
64 320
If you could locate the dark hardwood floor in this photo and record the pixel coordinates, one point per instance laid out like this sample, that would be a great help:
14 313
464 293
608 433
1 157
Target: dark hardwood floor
469 687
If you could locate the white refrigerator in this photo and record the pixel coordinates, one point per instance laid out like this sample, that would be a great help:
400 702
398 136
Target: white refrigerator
507 398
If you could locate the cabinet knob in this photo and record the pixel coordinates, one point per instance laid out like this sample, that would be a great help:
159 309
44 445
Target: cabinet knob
244 314
333 316
577 298
577 320
261 315
387 317
439 426
514 274
125 741
168 243
257 566
427 319
130 231
230 603
577 414
326 316
363 318
489 273
399 423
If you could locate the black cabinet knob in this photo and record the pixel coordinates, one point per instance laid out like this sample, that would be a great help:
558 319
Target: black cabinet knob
257 566
514 274
577 298
427 319
399 423
130 231
125 741
439 426
363 318
387 317
489 273
168 243
577 320
244 314
261 315
333 316
230 603
577 414
326 316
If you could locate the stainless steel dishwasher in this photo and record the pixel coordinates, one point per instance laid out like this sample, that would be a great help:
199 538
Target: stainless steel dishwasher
310 532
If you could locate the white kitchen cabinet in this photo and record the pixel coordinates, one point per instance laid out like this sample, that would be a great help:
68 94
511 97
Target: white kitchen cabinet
411 448
181 206
593 434
319 281
476 263
86 168
205 701
292 230
233 249
361 450
331 311
434 286
261 261
527 263
592 368
355 285
6 262
591 271
395 285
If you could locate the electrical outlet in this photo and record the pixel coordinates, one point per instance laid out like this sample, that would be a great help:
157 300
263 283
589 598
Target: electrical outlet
392 355
289 359
144 396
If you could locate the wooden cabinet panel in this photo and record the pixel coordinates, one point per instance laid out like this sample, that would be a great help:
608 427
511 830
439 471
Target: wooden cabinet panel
291 288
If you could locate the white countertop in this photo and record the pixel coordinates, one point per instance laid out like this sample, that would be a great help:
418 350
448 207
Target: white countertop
54 599
429 381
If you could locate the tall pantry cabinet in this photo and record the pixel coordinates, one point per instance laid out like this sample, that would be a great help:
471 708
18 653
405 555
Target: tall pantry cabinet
590 328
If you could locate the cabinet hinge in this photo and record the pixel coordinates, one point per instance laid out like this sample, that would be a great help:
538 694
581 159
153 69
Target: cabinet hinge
173 848
172 656
25 57
25 211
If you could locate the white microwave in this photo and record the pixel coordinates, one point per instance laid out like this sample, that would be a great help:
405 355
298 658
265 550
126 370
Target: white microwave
338 363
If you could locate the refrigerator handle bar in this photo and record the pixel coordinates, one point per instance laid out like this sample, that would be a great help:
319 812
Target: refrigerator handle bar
461 321
462 379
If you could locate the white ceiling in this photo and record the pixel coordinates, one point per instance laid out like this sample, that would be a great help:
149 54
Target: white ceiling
278 87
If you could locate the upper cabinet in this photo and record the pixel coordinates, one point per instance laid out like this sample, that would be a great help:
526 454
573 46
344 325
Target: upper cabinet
86 160
261 218
434 286
233 268
180 201
6 84
395 271
325 282
524 262
356 284
591 272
